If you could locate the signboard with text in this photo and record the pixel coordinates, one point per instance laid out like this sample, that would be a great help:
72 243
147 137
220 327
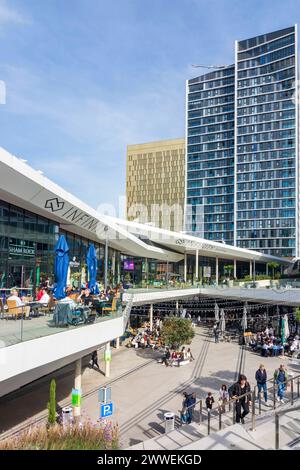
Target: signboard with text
21 247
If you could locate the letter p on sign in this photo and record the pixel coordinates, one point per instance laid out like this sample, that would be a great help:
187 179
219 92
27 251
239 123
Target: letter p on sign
106 410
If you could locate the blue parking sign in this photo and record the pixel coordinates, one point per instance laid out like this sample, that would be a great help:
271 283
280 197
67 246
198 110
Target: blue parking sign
106 409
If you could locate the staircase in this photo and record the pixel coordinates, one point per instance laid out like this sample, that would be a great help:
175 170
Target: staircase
233 436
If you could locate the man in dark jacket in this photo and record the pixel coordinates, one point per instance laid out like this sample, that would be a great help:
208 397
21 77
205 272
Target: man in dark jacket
241 387
189 403
261 380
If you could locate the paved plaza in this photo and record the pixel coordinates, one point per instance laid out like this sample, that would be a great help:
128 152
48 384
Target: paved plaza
142 389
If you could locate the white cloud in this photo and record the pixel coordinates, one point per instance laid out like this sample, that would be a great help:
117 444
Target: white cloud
97 127
10 15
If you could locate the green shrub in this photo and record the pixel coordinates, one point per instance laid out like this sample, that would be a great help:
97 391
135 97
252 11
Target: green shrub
52 403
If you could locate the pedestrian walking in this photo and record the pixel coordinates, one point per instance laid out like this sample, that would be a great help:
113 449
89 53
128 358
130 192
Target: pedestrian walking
242 387
216 333
189 405
261 381
281 378
94 359
223 397
209 401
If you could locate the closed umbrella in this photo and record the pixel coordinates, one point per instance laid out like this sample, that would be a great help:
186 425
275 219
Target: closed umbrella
217 317
285 329
222 322
244 319
61 266
92 268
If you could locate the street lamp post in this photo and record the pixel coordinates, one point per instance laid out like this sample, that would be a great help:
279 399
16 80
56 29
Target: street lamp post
106 257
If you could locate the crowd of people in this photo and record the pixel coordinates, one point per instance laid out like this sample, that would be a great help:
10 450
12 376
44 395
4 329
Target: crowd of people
241 393
174 357
147 338
267 344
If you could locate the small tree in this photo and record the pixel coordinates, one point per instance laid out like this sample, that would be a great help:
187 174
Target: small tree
52 403
177 331
273 265
228 268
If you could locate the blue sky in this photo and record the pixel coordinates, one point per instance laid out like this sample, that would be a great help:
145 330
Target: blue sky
85 78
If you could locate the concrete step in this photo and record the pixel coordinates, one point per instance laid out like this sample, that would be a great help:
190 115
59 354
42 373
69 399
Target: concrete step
232 436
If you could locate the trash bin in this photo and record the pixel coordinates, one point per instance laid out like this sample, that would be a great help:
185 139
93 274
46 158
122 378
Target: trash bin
169 422
67 415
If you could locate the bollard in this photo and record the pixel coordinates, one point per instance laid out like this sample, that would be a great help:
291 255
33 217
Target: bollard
274 395
220 419
276 431
298 388
292 391
208 423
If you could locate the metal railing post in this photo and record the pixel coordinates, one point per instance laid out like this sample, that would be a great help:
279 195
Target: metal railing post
253 410
200 411
220 419
298 388
22 318
259 403
233 412
208 422
276 431
292 391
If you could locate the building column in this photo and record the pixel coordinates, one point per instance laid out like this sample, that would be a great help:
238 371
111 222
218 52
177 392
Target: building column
197 265
118 342
107 359
217 270
185 267
234 268
267 269
151 316
250 268
177 306
254 270
77 386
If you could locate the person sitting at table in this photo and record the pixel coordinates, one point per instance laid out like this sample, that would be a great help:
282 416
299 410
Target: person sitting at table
14 295
87 298
68 300
45 298
79 298
40 294
264 349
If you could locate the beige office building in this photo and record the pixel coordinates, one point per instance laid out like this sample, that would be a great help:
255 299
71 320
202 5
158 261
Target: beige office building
155 183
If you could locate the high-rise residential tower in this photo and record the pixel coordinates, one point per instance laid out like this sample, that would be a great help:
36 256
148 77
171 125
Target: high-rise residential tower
242 147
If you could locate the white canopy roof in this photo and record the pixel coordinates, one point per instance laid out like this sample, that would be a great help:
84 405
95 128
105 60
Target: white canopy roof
23 186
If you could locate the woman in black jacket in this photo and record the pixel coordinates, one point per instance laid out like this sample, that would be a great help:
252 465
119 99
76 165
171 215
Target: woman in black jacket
242 387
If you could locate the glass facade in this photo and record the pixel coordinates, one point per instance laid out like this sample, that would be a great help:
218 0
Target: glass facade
242 163
266 161
210 155
27 243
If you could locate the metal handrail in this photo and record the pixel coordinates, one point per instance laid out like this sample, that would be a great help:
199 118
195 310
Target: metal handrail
277 426
218 413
